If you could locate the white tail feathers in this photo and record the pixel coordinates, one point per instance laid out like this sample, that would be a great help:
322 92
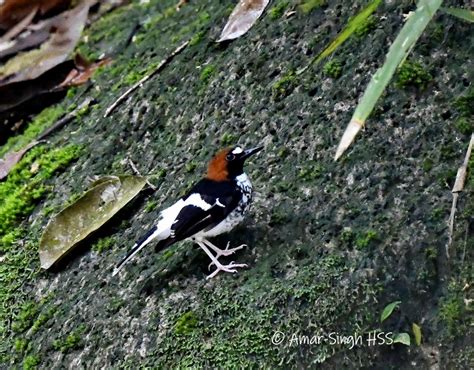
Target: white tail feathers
147 238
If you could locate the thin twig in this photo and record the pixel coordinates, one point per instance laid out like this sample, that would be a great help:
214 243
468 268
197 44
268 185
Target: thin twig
140 83
457 188
66 119
135 169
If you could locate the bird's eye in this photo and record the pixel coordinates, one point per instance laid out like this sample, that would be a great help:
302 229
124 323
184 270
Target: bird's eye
230 157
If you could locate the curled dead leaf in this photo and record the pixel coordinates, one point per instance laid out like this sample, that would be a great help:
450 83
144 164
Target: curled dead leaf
83 71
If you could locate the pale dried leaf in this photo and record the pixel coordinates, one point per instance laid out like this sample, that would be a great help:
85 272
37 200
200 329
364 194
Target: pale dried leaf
31 64
86 215
242 18
11 159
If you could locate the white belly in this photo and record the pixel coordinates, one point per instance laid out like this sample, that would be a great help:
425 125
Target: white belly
237 215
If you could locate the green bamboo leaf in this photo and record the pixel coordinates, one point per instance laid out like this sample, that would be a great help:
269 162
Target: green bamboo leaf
387 311
86 215
417 333
402 338
401 47
464 14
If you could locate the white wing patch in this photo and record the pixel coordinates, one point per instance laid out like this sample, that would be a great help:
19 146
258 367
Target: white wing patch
169 215
196 200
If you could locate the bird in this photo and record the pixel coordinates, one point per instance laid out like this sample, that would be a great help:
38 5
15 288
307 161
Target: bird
215 205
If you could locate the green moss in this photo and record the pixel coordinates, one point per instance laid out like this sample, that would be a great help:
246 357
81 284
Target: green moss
197 38
23 321
427 164
311 172
151 206
364 240
278 10
133 76
186 323
412 74
278 217
207 73
228 139
347 237
333 69
199 23
190 166
307 6
24 186
465 125
368 25
114 305
465 103
168 254
31 362
19 194
446 177
465 106
103 244
43 318
72 342
451 312
20 345
41 122
283 152
431 253
234 322
438 213
284 85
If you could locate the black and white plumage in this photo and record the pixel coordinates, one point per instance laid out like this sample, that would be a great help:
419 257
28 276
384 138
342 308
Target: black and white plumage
215 205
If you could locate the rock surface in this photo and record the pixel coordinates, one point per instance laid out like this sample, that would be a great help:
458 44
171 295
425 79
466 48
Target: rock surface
330 244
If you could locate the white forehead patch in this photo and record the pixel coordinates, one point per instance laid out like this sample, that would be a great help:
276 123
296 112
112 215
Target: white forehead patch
237 150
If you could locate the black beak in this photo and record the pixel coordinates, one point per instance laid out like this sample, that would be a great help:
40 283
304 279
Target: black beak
247 153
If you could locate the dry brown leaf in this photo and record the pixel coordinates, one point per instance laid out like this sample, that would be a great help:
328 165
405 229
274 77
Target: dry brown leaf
83 71
31 64
13 11
20 26
243 17
12 158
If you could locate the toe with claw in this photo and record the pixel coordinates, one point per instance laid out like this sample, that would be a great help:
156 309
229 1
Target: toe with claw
231 267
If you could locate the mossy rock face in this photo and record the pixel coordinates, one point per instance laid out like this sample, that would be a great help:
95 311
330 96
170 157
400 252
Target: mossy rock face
330 244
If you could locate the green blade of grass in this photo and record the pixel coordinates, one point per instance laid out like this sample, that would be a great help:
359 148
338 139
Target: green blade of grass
464 14
348 30
401 47
351 27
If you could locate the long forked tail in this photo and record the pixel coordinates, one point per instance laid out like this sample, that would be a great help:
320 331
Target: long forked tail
147 238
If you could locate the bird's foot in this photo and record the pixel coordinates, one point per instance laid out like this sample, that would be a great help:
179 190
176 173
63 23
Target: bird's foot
224 252
231 267
227 251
